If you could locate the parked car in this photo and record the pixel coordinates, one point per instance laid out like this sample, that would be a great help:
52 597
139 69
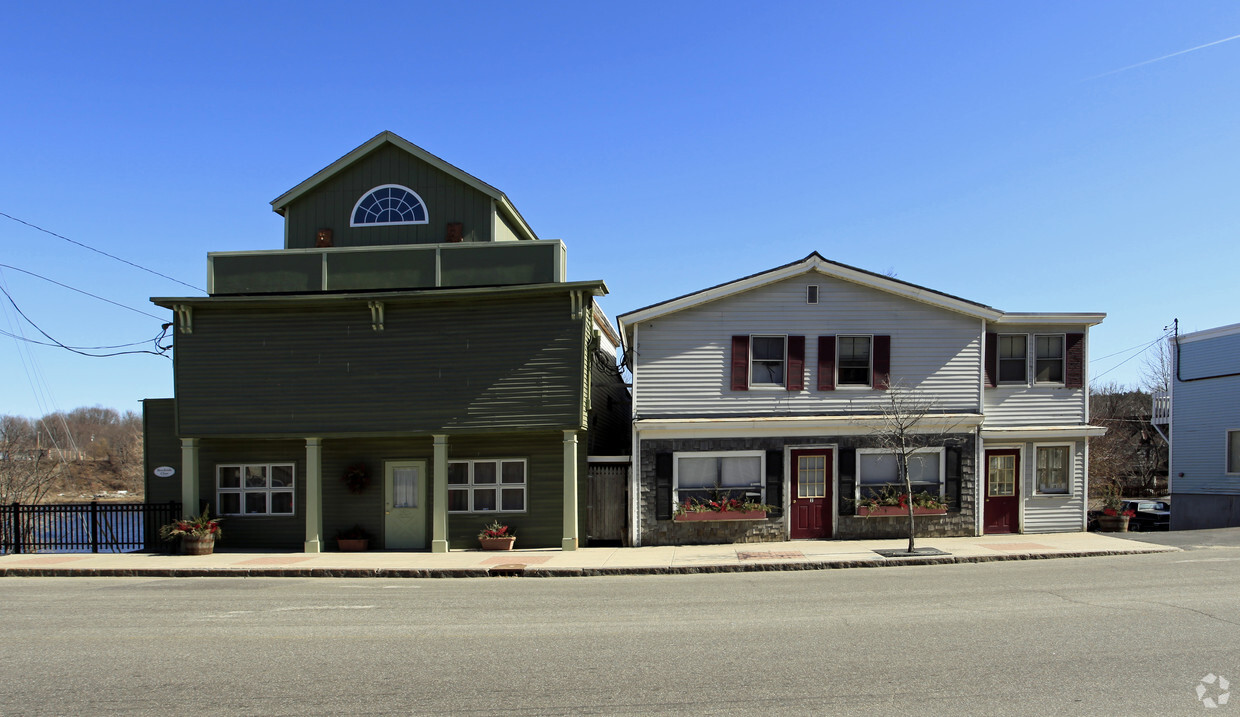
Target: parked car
1148 515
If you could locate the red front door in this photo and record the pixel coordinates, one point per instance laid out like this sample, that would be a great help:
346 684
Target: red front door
1002 492
811 494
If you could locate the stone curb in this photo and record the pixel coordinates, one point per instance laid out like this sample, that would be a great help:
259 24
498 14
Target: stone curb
542 572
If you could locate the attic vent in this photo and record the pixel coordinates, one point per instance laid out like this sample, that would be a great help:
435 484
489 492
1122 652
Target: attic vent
811 294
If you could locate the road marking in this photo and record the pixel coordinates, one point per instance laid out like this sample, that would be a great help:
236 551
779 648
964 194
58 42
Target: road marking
1209 560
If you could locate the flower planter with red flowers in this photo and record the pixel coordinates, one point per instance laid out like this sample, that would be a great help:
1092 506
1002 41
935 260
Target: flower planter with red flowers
882 511
717 515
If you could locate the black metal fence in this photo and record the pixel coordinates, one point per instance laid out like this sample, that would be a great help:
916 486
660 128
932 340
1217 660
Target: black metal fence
84 527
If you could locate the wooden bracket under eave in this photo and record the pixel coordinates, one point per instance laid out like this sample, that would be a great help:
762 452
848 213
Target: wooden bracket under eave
376 315
185 318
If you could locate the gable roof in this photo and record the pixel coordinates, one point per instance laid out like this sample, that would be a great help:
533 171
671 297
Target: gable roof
813 262
502 204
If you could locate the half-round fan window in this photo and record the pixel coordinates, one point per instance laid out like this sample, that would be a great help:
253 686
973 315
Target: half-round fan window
389 204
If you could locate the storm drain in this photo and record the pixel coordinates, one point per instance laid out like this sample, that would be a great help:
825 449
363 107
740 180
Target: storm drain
508 570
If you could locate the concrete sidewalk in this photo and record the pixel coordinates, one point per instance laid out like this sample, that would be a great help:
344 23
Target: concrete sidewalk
790 555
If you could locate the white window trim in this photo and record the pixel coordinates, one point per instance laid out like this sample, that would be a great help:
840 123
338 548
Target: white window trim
677 455
242 490
1033 471
497 486
1227 452
941 450
853 386
769 386
999 363
812 294
1033 361
353 213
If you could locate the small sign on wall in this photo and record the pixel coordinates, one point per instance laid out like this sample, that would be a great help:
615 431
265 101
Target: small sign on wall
165 472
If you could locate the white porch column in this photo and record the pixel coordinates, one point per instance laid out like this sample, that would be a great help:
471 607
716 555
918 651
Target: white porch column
189 477
314 495
439 503
570 491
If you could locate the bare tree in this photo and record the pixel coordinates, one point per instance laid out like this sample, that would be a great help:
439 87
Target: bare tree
911 421
1129 457
1156 368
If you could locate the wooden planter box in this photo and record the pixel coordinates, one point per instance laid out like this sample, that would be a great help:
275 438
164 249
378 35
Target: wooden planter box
199 546
1113 523
352 545
718 515
891 511
496 543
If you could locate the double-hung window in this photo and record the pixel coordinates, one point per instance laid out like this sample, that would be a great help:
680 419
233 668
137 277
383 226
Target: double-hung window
767 357
853 362
706 476
1233 451
1013 360
1048 365
877 469
1053 470
487 486
254 489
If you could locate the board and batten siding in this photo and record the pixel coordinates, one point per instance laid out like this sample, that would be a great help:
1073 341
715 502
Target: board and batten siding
330 205
510 363
683 360
1032 404
1203 412
1053 513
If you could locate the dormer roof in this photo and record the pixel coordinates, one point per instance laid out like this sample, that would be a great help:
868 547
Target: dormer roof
502 204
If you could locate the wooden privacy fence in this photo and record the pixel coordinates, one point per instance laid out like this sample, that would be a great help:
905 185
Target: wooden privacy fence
84 527
607 512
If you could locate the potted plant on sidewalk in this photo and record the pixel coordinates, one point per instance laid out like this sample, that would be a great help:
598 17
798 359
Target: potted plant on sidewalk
197 533
496 536
353 540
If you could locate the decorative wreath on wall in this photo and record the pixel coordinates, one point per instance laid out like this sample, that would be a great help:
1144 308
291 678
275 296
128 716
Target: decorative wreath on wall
356 477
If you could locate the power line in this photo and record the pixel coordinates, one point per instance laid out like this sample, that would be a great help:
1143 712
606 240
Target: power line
70 348
99 251
1121 363
87 293
1117 353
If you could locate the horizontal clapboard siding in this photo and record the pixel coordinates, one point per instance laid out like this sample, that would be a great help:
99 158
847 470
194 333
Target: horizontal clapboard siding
482 364
330 205
683 359
1054 514
282 532
1202 414
1032 405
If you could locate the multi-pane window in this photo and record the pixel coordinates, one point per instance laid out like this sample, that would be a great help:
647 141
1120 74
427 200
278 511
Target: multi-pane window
389 204
1012 358
254 489
877 469
853 360
1048 366
1002 479
736 474
487 486
812 476
766 361
1233 451
1053 469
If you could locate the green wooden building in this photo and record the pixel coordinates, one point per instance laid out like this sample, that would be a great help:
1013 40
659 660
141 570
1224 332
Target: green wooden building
413 361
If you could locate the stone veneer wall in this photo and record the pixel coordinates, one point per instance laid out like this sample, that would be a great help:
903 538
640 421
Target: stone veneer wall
959 521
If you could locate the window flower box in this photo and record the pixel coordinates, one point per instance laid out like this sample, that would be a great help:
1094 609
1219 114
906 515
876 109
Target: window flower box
719 515
895 510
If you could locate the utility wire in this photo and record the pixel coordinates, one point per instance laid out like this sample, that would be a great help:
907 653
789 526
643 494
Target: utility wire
99 251
87 293
1121 363
82 348
70 348
1117 353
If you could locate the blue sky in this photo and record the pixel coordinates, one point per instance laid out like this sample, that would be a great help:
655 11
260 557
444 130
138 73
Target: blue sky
1018 154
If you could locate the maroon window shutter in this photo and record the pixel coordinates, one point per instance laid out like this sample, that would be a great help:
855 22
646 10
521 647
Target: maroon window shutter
882 362
826 363
992 359
740 363
1074 355
796 363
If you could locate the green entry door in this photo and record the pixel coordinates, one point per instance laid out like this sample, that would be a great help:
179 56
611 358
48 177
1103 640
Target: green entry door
404 505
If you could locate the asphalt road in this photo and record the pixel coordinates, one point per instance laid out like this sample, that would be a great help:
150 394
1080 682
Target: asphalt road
1099 636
